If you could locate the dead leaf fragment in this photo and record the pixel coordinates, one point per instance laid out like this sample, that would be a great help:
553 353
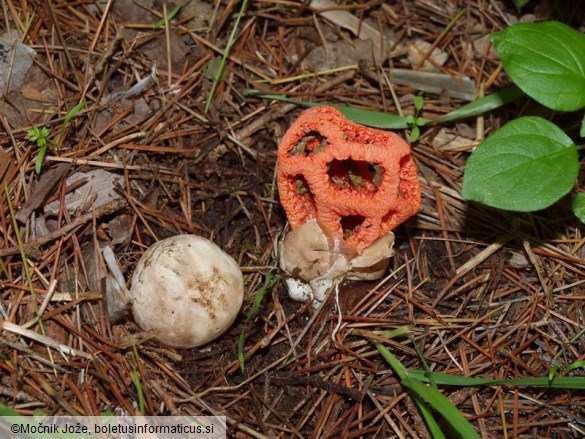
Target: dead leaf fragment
6 165
99 190
418 49
15 60
43 189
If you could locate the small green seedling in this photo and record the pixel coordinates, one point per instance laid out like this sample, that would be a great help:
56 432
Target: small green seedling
415 122
40 136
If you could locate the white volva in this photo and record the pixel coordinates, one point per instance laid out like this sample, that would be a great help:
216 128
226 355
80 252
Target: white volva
315 265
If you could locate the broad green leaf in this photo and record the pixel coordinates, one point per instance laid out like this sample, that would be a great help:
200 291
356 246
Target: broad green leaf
582 130
547 61
526 165
578 206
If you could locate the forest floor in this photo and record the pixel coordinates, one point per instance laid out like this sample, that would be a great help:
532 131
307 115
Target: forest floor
479 292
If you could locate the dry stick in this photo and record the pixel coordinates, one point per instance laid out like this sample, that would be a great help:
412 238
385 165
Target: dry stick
10 67
168 46
64 349
49 4
441 215
471 264
20 160
101 25
440 38
32 246
92 71
262 121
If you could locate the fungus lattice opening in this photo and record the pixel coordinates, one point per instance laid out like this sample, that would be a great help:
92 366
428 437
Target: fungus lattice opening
355 174
351 224
311 143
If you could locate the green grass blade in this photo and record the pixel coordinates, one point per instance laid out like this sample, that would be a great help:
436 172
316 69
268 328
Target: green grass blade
482 105
270 280
442 404
427 414
375 119
562 382
73 112
4 268
400 370
226 53
398 367
430 395
40 157
139 392
576 365
159 24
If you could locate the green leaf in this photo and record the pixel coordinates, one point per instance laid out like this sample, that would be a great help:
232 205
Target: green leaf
445 379
582 130
552 373
414 134
520 4
73 112
33 134
375 119
40 157
482 105
576 365
547 61
213 67
418 103
427 414
394 363
445 407
159 24
139 391
578 206
526 165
